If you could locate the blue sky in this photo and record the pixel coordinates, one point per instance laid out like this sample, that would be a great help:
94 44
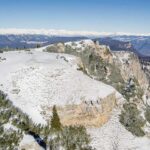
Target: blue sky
86 15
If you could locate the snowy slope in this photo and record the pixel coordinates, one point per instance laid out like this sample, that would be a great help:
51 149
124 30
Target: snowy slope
113 136
29 143
35 79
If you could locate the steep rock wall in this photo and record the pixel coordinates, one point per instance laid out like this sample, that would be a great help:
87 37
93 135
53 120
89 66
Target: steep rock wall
88 113
130 67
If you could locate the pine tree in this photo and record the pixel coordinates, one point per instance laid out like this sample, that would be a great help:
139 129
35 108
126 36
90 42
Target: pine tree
55 121
38 45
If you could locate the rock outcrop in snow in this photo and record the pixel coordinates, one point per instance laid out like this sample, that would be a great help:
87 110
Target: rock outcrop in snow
87 113
130 67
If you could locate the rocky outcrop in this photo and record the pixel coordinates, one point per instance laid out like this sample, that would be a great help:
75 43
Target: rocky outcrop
100 63
88 113
121 70
130 67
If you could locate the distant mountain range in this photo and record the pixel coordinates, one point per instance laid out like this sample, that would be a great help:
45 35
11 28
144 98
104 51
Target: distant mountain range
116 45
31 41
140 43
137 43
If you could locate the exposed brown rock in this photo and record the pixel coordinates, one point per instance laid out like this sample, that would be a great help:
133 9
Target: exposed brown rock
89 114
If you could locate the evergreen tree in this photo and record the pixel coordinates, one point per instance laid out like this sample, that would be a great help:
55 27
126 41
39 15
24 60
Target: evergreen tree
38 45
55 121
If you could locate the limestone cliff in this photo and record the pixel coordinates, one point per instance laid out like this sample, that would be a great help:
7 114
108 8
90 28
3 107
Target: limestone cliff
87 113
130 67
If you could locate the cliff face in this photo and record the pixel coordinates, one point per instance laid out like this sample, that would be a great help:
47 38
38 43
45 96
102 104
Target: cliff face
87 113
130 67
97 60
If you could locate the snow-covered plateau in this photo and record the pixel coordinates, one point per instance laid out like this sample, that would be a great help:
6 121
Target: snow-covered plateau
35 79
